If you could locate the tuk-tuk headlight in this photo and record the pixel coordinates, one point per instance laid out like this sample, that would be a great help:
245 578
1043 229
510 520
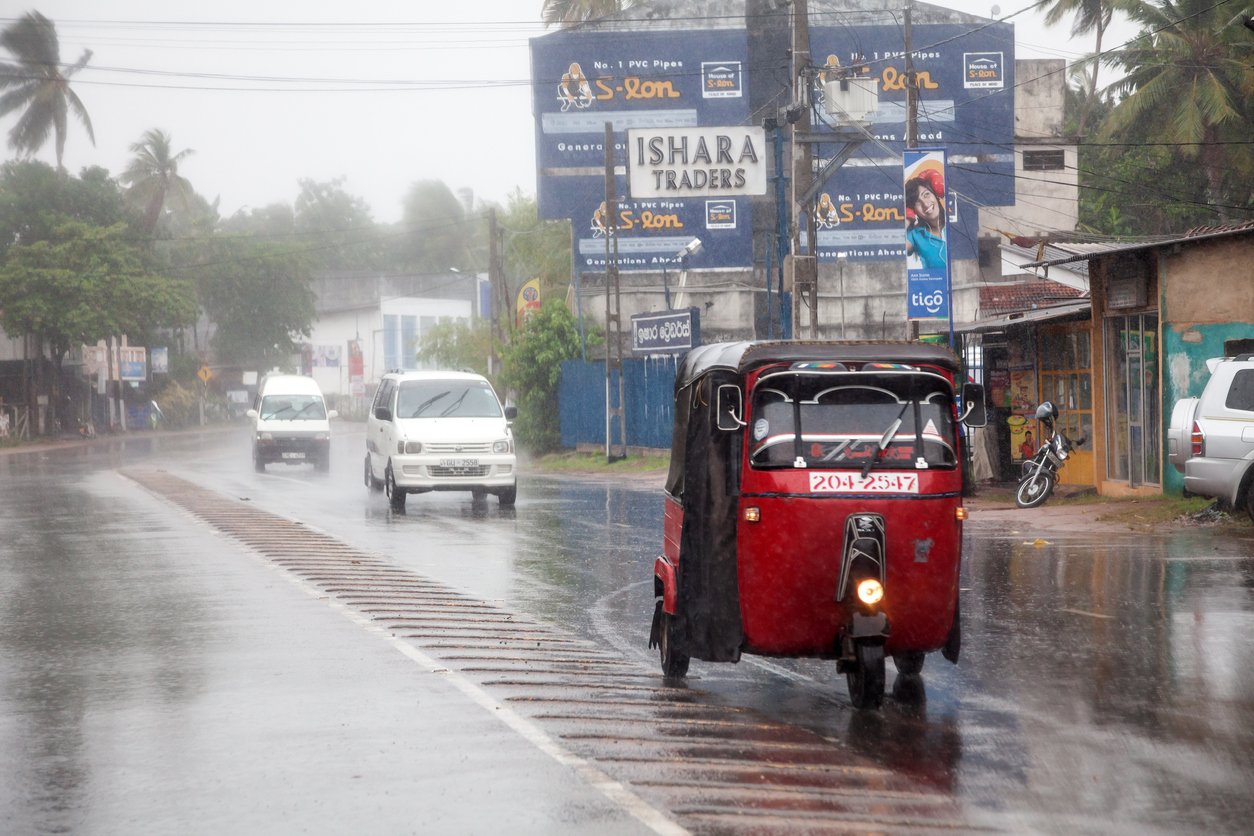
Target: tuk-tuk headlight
409 447
870 591
503 446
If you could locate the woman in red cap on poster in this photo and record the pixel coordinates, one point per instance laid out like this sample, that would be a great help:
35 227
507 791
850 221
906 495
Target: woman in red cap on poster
925 219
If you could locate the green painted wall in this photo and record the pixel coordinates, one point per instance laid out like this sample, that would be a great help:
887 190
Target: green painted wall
1186 348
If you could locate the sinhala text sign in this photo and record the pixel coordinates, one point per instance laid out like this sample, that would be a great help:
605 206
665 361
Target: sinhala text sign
696 162
665 331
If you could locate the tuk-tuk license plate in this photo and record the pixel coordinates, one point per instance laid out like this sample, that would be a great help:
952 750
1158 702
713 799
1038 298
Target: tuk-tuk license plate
855 483
459 463
293 455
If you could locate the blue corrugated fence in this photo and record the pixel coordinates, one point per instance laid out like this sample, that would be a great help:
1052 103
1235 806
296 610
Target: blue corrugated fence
648 388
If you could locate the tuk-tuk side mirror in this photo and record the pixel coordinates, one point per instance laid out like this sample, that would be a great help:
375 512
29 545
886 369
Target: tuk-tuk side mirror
973 412
731 407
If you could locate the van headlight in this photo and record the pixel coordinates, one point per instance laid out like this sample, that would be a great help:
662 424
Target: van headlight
505 445
409 447
265 437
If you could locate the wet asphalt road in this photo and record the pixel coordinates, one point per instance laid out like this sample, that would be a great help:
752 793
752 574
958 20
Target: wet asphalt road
155 677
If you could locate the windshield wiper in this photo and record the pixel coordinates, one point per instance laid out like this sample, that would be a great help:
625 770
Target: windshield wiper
453 406
423 406
886 439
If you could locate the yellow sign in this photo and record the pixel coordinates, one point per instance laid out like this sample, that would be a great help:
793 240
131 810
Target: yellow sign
528 301
205 374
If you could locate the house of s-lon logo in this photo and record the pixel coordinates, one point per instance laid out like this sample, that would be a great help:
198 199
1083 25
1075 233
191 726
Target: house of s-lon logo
574 90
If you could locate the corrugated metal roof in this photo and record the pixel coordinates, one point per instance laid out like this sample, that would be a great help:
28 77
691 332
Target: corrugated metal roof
1076 309
1083 251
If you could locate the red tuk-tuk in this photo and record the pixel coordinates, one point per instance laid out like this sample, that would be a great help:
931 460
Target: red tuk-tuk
814 507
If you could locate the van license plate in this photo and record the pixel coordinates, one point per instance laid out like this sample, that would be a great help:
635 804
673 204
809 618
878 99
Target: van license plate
459 462
293 455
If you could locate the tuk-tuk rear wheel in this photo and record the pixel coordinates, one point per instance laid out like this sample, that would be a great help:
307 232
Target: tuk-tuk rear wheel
865 676
674 663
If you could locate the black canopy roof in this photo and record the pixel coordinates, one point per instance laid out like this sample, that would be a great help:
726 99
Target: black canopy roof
741 357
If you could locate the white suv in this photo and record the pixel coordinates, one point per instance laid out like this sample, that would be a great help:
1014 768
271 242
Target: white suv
440 431
1211 438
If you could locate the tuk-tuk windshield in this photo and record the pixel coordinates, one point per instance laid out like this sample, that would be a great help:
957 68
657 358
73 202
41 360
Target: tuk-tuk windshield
836 420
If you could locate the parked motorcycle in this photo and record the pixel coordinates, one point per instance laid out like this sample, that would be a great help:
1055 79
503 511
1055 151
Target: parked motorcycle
1040 473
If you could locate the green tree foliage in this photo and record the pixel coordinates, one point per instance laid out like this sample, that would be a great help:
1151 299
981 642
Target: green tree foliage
256 292
153 180
437 234
566 13
1086 16
35 200
532 370
1190 87
38 85
534 248
458 345
85 284
339 226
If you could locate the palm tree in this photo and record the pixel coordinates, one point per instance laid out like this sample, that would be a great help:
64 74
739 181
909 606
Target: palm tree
38 84
152 176
1089 16
571 12
1188 84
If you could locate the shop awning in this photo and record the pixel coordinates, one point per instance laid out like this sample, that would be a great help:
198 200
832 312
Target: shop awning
1079 309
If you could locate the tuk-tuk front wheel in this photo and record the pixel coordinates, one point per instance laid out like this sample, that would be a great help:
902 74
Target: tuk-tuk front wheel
865 675
674 662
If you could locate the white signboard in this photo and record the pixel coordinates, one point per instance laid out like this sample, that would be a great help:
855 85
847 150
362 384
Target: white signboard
852 481
696 162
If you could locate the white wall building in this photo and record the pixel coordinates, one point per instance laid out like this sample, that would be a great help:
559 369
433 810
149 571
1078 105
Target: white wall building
383 317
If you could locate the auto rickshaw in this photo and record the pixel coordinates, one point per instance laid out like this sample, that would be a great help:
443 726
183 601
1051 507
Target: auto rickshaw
813 507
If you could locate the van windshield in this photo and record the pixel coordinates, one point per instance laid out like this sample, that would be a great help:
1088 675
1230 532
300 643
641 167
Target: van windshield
292 408
447 399
837 420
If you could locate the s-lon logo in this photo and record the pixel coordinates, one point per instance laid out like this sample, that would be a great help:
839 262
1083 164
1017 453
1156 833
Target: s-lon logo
574 90
825 213
983 70
721 80
720 214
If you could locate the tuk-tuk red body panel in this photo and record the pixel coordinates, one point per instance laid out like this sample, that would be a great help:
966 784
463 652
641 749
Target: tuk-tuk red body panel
789 564
813 508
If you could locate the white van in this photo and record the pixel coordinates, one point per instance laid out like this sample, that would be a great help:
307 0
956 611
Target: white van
291 423
440 431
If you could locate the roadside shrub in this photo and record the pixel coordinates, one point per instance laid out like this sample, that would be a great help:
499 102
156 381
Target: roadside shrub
178 405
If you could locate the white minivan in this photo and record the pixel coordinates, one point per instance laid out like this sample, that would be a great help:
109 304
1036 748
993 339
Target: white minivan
440 431
291 423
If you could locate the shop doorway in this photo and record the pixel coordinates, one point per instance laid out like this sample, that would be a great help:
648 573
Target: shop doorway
1133 424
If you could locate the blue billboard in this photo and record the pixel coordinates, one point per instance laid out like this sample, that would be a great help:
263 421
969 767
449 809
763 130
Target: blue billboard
675 79
652 232
966 106
700 78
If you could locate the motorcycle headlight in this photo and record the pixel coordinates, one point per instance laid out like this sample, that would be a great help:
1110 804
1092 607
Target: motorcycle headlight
505 445
409 447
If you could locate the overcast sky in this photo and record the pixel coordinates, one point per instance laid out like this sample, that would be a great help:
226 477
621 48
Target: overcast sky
380 92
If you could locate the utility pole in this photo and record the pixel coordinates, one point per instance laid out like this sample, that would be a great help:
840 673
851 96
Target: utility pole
496 284
613 323
912 119
804 270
